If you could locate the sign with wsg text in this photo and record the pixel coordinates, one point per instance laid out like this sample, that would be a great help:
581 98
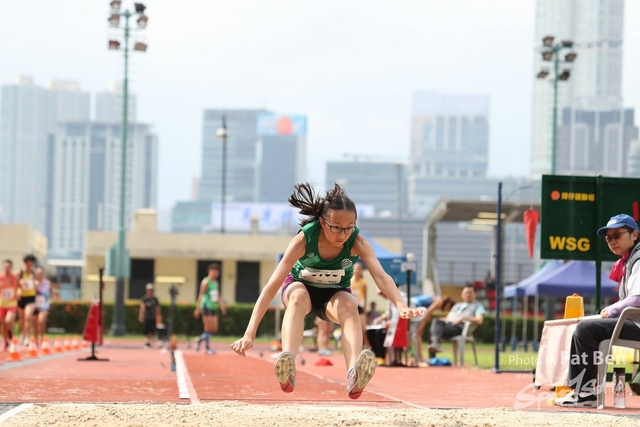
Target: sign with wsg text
574 207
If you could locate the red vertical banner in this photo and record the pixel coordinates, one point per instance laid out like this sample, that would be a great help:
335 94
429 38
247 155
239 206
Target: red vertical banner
531 217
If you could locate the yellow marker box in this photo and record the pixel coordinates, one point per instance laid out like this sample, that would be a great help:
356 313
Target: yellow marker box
574 307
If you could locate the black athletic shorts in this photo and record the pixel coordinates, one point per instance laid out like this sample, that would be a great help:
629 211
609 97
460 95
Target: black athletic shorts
24 301
149 326
320 297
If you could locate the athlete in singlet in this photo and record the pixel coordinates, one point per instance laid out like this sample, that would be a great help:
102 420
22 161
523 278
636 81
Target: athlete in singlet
8 300
209 302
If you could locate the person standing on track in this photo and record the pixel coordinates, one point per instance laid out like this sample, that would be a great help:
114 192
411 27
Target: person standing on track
209 302
41 312
315 274
8 301
26 297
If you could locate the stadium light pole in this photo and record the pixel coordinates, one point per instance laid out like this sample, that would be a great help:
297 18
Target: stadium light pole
223 134
117 255
551 52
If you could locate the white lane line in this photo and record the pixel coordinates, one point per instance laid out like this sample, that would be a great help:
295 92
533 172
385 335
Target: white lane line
185 386
14 411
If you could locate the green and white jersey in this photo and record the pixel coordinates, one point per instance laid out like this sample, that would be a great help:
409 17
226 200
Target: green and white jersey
211 296
314 271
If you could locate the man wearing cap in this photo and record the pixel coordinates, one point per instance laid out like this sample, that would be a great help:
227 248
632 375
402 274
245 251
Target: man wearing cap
622 235
150 314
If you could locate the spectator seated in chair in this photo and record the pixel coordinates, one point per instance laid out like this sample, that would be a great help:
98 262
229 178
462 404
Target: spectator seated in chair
469 310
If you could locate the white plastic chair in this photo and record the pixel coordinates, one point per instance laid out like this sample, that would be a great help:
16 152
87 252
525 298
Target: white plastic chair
605 349
459 342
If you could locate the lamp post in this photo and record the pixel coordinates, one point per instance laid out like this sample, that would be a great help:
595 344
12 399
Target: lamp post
223 135
117 255
551 52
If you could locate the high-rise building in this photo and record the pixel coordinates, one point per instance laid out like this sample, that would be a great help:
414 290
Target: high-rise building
28 115
449 144
85 186
109 105
594 142
265 156
449 135
380 184
594 88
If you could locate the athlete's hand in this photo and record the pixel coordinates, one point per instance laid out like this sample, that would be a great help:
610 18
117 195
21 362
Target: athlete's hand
242 345
408 313
196 313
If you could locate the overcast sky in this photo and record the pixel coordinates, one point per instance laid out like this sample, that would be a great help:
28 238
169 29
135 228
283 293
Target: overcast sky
350 66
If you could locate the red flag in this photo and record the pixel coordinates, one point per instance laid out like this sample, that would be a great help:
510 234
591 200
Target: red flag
531 217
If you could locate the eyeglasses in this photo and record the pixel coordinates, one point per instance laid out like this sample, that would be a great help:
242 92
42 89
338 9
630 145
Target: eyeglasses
614 236
337 230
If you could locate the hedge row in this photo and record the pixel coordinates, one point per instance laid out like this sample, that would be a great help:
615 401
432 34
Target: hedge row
71 316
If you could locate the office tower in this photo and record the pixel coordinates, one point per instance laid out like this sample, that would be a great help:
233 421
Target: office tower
585 145
28 115
265 156
449 143
85 189
109 105
380 184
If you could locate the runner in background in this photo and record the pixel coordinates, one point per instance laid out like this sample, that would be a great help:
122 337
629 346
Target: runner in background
26 298
8 302
41 311
208 305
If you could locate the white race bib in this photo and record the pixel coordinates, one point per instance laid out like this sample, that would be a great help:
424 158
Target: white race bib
213 295
326 277
41 301
28 285
8 293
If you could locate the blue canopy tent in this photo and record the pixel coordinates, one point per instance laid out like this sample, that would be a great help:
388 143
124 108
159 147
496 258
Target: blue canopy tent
391 262
558 280
573 277
518 289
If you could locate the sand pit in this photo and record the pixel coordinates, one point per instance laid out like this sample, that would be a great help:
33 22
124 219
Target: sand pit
231 414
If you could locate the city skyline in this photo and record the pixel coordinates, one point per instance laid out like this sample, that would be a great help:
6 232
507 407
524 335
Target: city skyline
354 82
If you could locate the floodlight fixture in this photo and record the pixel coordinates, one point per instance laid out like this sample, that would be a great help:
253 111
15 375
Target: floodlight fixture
548 41
142 21
547 55
567 43
114 45
140 7
570 57
139 46
564 76
543 73
114 19
115 4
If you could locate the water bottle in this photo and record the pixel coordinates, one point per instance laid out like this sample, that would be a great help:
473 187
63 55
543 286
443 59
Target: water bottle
619 381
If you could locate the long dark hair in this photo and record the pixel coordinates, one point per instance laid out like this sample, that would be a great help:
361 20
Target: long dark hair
314 207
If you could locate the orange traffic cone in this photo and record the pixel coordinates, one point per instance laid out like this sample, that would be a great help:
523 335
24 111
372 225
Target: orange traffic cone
14 355
75 345
84 344
66 344
57 345
32 350
44 347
